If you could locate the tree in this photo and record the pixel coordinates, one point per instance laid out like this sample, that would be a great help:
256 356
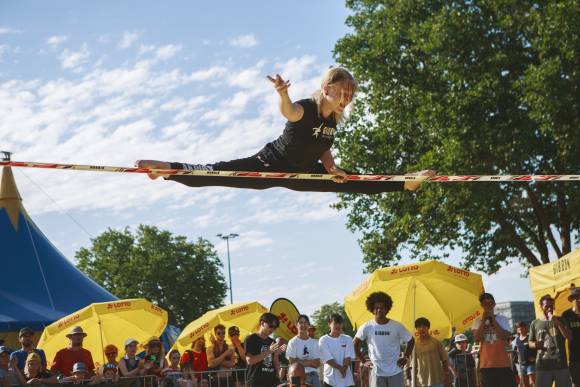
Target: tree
464 87
320 319
183 278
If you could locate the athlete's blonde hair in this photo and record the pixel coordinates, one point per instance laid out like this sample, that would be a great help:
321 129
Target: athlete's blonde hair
331 77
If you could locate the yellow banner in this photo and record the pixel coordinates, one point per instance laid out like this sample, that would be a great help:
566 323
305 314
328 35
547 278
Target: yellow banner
287 314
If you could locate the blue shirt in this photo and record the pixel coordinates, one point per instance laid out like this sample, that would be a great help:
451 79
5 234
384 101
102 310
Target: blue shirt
21 355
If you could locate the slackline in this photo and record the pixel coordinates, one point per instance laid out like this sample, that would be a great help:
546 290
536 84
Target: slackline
295 181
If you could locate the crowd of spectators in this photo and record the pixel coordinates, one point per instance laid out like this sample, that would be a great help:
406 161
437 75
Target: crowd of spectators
381 354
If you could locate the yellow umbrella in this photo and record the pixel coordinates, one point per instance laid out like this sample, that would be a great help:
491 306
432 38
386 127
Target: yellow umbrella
244 315
106 323
446 295
556 278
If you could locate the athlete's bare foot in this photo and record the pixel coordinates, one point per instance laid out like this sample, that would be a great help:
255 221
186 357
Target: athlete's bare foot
412 185
154 164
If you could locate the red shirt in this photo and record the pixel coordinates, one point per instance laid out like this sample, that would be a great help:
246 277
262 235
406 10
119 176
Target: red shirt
199 361
65 359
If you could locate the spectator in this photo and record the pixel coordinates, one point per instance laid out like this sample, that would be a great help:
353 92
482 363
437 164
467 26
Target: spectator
33 372
492 332
111 353
79 374
572 317
262 353
65 359
154 359
240 373
383 337
526 356
337 353
7 376
462 363
296 376
26 338
110 373
220 357
194 362
172 372
304 350
548 335
430 358
130 363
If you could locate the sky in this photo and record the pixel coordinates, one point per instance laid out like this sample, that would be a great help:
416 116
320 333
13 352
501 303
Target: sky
110 82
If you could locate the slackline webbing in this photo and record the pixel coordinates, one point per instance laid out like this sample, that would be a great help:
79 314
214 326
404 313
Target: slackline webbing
293 176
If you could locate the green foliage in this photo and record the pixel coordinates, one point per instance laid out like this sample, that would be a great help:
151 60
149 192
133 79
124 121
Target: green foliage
464 87
320 319
183 278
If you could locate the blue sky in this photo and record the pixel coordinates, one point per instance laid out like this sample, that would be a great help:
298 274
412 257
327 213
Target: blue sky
110 82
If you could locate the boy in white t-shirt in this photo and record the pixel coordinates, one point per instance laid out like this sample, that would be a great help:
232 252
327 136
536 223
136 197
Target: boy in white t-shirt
384 338
337 354
304 350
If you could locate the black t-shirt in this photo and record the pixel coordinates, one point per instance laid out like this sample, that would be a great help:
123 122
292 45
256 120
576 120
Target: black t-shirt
261 374
303 142
573 321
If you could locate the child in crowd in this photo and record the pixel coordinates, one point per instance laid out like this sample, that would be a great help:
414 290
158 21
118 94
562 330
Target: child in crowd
429 357
462 363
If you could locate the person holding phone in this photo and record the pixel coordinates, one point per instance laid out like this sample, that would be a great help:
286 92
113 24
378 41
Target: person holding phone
548 334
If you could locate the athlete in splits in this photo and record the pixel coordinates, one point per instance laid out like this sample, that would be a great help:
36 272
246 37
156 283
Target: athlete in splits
304 146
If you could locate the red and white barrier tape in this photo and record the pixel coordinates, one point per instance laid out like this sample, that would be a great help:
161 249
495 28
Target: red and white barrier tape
284 175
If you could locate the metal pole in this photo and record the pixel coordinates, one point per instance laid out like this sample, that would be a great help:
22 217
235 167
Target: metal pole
230 271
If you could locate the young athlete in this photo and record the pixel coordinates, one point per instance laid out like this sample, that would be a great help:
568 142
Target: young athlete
305 144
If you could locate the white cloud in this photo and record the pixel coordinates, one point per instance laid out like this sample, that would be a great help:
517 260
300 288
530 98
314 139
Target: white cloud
167 51
248 40
129 37
55 40
74 60
7 30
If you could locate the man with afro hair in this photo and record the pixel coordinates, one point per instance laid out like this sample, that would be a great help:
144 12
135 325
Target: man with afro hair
384 338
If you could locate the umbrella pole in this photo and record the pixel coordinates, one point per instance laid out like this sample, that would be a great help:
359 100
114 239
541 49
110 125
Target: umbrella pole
414 353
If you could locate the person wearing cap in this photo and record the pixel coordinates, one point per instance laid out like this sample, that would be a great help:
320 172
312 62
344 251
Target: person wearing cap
26 338
109 374
462 363
66 358
33 372
79 374
154 359
130 363
548 334
572 318
493 332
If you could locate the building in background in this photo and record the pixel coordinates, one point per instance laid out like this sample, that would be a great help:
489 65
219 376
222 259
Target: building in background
516 311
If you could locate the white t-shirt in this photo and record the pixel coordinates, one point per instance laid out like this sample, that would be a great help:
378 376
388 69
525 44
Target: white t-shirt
338 348
303 350
384 342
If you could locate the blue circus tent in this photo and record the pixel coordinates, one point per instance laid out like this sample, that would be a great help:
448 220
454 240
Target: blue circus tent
38 284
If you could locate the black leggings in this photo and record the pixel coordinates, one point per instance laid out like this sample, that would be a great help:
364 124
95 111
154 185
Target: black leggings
254 163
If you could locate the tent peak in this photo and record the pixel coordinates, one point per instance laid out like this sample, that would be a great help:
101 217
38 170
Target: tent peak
10 199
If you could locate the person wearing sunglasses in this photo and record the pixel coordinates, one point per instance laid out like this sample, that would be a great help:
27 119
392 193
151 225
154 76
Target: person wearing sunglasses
263 353
219 356
240 366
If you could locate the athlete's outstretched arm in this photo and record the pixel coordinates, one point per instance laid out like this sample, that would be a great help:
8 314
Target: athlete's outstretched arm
291 111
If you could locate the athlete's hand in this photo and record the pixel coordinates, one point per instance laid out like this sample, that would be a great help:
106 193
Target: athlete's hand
339 175
154 164
414 184
280 84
